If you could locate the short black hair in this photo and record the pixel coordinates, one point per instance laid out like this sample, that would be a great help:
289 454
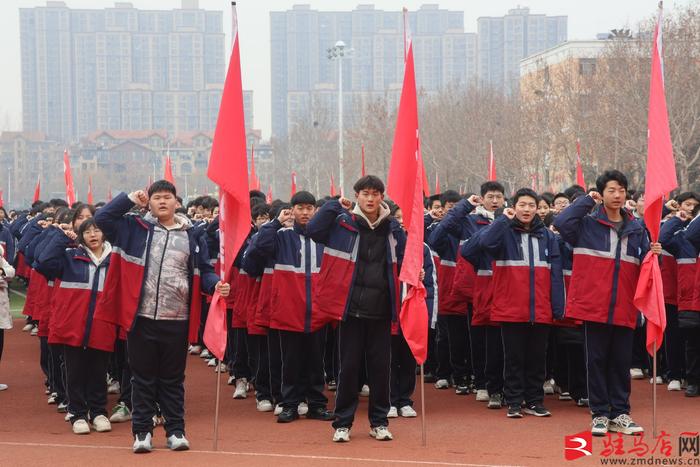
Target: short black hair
685 196
83 227
526 192
369 182
258 210
37 203
209 202
161 185
491 186
548 197
431 199
257 194
58 202
277 207
63 215
573 190
610 176
449 196
303 197
560 195
79 208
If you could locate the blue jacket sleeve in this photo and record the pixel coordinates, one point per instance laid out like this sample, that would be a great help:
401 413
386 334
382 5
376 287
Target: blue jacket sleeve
111 220
38 243
253 263
471 249
692 233
558 296
206 271
9 239
451 224
31 230
264 244
321 224
17 226
52 257
668 235
569 221
430 283
492 237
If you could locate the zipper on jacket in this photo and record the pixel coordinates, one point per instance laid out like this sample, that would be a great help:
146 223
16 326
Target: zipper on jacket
91 307
160 271
307 282
616 276
532 278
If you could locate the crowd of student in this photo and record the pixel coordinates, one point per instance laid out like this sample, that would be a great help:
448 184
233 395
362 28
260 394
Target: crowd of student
526 296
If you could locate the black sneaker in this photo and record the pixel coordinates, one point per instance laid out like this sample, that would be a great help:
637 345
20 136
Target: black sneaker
288 415
462 387
332 385
537 410
319 413
514 411
583 402
693 390
495 401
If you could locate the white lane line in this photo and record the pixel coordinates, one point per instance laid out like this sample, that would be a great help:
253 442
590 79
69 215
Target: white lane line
262 454
18 293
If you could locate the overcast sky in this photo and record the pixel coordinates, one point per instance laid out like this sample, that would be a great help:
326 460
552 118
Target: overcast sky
586 18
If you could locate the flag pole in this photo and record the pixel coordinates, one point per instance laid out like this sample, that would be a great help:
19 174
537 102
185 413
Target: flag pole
422 405
216 410
653 391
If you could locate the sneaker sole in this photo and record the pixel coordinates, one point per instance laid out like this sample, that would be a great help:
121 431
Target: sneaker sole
495 406
518 415
183 447
625 431
383 438
341 440
532 412
142 450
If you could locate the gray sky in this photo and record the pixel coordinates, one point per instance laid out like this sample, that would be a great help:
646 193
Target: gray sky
586 18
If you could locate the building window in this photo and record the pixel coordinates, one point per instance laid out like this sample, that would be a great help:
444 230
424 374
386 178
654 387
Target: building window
586 66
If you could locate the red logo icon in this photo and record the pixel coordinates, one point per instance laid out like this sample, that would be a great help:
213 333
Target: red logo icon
578 445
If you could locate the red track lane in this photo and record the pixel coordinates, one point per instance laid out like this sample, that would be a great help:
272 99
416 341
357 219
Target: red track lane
460 430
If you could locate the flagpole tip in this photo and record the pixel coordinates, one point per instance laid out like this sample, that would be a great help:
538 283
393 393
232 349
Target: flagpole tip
233 3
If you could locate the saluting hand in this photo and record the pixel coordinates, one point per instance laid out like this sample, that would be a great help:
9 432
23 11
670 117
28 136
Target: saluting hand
285 216
345 203
475 200
509 213
597 197
140 198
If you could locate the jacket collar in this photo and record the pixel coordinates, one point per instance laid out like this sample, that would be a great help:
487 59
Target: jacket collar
106 250
485 213
181 222
383 214
536 229
628 225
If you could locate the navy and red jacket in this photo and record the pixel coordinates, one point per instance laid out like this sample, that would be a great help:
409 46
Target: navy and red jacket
527 275
78 285
338 230
262 308
606 263
692 234
455 276
131 237
7 242
297 262
431 290
673 239
482 262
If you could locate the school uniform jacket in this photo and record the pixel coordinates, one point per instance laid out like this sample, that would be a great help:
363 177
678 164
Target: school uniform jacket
692 234
131 238
672 237
481 261
606 263
527 277
254 269
431 290
79 282
338 230
297 262
7 242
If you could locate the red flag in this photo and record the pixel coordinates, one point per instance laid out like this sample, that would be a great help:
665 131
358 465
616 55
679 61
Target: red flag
228 168
2 201
437 184
406 180
660 179
579 169
90 199
269 194
254 180
294 184
169 170
68 176
492 163
363 161
37 190
332 186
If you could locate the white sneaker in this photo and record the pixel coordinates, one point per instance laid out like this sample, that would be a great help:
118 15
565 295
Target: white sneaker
35 331
81 427
442 384
220 368
195 349
674 385
211 362
68 416
205 354
659 380
241 391
120 413
101 424
381 433
143 443
341 435
27 327
53 398
625 425
178 442
393 412
264 406
548 386
114 388
408 412
302 408
482 395
231 380
636 373
364 392
3 387
278 410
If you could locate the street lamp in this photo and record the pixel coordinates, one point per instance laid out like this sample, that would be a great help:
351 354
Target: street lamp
338 52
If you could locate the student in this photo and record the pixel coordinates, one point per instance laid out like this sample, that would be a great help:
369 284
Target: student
7 272
158 268
297 260
609 245
359 285
525 252
79 274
